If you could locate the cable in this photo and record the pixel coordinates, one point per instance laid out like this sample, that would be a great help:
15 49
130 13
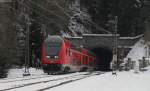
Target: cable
67 14
51 12
87 20
41 15
62 9
97 26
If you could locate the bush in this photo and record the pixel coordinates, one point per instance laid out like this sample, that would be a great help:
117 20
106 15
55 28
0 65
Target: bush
4 65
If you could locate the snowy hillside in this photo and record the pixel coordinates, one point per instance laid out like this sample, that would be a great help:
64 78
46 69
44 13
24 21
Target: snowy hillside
138 51
78 21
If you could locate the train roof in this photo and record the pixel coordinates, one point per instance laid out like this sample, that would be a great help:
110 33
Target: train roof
54 38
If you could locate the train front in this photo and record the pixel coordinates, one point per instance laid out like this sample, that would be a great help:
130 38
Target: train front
52 54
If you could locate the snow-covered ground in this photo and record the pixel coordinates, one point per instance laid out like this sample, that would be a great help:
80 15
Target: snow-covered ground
35 83
14 73
124 81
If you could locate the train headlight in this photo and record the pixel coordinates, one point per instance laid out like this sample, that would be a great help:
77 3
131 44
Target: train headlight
48 56
56 56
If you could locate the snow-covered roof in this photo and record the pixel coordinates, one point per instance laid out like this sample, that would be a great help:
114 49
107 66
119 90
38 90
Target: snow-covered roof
54 38
139 36
74 37
125 46
138 51
100 35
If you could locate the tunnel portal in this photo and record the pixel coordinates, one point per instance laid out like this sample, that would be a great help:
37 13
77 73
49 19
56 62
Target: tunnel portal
103 58
101 44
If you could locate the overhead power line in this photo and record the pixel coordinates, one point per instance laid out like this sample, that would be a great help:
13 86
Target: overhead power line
47 10
60 17
96 25
60 7
49 20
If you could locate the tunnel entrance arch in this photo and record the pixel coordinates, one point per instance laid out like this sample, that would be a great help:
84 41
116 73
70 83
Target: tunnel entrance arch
103 58
102 45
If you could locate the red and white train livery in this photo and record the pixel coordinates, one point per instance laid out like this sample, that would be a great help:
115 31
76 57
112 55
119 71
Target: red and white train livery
59 55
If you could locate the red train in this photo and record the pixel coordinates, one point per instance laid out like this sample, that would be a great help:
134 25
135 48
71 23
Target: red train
59 55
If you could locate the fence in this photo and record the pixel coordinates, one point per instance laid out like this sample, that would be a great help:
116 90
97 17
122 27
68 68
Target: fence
136 64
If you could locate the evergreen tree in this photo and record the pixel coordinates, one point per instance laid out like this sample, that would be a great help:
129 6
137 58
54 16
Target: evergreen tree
4 63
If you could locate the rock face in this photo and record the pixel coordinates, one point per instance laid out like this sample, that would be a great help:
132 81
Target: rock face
147 30
7 37
7 30
79 22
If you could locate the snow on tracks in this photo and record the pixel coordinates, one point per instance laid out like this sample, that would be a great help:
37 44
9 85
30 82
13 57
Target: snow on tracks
22 78
41 84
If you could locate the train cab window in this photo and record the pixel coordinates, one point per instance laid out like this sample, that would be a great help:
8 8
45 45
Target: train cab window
53 48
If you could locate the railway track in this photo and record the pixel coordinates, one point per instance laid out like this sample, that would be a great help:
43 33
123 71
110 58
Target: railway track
66 82
49 82
23 78
7 80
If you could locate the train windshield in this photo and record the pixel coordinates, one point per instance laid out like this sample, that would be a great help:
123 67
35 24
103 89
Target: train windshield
53 48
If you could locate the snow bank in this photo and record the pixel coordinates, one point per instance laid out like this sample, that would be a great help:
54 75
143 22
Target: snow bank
14 73
124 81
138 51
